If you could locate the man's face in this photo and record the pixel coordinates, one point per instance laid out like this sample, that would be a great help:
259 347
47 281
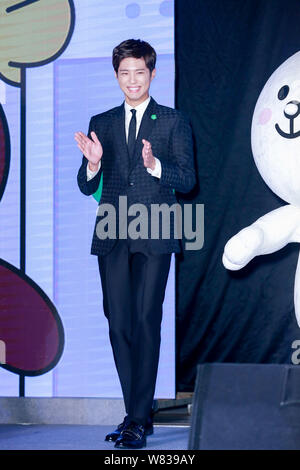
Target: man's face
134 79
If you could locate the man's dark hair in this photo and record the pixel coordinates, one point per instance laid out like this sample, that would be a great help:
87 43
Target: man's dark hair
134 48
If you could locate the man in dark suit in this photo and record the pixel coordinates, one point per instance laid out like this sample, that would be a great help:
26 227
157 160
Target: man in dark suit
144 151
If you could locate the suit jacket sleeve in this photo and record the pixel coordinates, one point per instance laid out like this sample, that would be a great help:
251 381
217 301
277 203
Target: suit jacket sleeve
85 186
179 173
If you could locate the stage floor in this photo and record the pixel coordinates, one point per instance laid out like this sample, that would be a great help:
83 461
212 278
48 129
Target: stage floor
83 437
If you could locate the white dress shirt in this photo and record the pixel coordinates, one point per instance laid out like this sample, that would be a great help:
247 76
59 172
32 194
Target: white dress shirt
140 109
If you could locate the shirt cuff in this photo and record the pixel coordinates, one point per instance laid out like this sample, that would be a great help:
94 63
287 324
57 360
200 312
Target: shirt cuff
90 174
157 169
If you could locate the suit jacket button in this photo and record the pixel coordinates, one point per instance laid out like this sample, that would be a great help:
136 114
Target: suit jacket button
131 183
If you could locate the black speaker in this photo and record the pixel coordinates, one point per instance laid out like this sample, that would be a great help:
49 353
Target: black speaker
246 407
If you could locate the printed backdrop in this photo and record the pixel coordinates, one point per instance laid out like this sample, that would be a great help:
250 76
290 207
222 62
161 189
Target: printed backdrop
52 324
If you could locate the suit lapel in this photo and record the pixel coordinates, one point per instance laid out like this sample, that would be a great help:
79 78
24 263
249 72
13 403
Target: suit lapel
146 127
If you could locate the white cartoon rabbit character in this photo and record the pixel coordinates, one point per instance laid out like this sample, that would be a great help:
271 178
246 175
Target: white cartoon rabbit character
275 140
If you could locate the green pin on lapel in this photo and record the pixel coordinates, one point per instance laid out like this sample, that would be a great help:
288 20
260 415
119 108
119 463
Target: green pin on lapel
153 116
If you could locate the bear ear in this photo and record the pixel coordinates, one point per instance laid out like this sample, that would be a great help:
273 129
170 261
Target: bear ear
283 92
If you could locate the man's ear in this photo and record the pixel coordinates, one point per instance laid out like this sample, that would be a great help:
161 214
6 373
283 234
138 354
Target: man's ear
153 74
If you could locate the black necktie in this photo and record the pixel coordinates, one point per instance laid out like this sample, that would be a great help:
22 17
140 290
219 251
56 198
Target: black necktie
132 134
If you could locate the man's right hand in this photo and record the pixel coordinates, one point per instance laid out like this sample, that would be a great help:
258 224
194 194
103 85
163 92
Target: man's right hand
91 148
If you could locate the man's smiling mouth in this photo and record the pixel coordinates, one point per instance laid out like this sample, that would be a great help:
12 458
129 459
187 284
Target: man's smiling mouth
133 88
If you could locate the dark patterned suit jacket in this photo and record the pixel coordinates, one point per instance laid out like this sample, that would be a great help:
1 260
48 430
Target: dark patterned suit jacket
171 139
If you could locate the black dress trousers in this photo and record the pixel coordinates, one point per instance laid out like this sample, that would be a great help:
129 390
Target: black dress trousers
133 285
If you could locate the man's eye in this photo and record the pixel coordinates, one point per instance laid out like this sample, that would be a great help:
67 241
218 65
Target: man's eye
283 92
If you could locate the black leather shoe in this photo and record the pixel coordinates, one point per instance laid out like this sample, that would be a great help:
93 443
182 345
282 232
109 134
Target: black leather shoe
113 436
132 437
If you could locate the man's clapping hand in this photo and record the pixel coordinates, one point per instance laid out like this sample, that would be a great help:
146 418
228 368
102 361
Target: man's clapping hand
91 148
148 157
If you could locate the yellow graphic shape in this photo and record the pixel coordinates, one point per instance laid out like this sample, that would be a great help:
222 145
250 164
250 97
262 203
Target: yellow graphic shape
31 32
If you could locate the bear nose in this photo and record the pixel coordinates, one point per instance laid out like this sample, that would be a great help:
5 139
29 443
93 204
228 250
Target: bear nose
292 109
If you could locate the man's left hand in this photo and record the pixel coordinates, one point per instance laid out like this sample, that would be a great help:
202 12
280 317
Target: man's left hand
149 160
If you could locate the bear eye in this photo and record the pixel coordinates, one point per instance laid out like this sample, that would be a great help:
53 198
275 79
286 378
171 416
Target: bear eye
283 92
